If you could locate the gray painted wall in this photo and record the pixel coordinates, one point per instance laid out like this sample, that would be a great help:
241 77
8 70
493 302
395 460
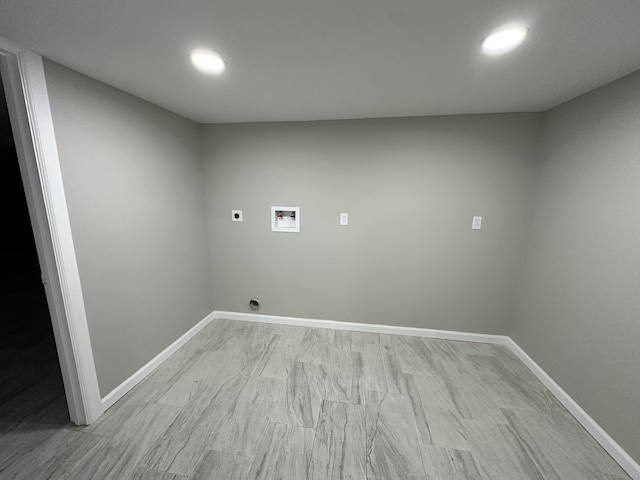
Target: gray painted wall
133 179
410 186
578 305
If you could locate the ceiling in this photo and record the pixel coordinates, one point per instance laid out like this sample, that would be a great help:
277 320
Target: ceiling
334 59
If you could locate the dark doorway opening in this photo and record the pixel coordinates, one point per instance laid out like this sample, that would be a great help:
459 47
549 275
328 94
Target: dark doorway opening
31 388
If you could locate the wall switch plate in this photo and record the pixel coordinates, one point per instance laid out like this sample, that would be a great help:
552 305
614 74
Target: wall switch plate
476 224
344 219
236 215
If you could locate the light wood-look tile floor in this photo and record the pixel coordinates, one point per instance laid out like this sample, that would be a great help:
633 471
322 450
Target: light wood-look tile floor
246 400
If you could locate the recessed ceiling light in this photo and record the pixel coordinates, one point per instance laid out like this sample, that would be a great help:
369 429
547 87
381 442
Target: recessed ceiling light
503 40
207 61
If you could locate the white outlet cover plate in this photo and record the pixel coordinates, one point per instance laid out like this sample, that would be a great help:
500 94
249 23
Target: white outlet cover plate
233 215
344 219
476 223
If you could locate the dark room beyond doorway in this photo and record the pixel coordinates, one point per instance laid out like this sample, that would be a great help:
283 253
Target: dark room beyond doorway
31 388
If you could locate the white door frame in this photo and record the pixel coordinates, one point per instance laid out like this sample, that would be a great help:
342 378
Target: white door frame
30 113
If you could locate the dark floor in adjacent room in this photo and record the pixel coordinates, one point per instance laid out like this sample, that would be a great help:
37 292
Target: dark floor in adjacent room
32 402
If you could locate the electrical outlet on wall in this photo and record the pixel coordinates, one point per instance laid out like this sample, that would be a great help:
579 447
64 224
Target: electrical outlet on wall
344 219
476 223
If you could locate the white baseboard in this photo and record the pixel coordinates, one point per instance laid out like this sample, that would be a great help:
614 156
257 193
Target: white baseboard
364 327
596 431
121 390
